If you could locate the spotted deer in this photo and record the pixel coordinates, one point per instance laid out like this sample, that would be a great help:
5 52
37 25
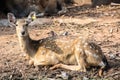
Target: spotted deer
74 53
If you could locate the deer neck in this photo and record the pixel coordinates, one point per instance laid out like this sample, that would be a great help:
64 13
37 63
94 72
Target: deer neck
26 45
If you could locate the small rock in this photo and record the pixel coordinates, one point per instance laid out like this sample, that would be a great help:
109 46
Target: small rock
85 78
50 79
111 30
112 56
4 22
63 75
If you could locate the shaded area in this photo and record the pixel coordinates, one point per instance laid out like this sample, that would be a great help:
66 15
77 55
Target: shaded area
23 8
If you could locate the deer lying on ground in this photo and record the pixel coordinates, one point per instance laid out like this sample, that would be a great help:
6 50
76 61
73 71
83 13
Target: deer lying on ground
73 54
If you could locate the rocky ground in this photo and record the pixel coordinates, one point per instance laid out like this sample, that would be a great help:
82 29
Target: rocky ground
101 25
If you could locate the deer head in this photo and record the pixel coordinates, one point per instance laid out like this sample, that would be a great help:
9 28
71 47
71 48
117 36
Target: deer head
21 24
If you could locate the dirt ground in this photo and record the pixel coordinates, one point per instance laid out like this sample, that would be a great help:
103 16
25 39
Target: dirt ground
101 25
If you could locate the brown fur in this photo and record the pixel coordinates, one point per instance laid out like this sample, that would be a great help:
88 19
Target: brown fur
51 7
66 52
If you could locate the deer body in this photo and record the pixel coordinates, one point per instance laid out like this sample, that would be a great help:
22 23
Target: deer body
68 53
54 52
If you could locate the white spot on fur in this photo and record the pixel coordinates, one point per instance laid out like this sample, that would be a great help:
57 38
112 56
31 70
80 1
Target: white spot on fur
96 56
77 49
43 52
85 45
90 47
67 46
88 52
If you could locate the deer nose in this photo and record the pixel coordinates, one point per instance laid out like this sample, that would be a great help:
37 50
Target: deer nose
23 32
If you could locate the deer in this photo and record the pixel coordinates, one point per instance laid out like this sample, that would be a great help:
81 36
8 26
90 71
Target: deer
76 53
52 7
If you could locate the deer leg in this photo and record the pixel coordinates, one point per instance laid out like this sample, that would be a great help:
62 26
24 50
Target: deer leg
80 58
80 67
69 67
31 62
82 64
100 72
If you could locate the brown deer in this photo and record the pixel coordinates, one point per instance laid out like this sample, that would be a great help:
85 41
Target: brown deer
22 8
52 7
74 53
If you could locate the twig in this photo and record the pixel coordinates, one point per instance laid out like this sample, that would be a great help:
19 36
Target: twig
113 74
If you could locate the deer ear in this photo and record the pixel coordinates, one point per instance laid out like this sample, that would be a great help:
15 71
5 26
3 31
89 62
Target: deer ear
11 19
31 17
